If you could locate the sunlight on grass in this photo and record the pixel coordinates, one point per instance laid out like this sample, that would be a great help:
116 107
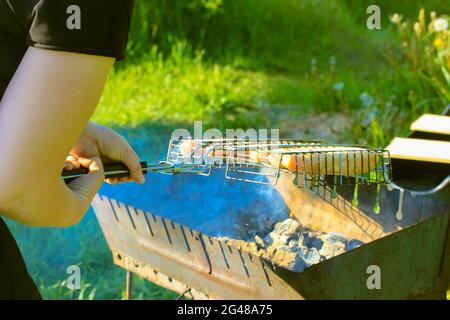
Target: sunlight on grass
179 89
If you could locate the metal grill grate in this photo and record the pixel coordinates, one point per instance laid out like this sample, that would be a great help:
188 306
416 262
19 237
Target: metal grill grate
312 163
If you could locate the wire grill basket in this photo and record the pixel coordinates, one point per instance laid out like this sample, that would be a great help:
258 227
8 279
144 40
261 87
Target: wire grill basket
312 163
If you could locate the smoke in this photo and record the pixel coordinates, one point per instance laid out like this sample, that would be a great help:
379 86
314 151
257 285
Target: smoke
213 205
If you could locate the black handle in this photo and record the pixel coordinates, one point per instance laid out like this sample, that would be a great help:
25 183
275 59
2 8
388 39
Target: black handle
112 170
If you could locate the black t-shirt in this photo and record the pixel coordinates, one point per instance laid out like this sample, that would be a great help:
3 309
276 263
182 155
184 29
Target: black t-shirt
97 27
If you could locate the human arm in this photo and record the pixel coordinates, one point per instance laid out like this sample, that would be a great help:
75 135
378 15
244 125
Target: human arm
103 142
46 106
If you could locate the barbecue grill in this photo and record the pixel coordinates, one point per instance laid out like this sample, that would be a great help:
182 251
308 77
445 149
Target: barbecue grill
403 221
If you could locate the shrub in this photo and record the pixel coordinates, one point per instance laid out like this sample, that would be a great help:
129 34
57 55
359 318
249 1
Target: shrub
426 47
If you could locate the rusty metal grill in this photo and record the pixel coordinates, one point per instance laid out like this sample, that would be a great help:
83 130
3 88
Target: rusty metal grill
317 182
201 267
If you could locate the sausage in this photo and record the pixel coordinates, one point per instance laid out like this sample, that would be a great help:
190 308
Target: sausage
347 161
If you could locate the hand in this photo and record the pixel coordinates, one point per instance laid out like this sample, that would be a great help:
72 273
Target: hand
87 185
72 163
105 143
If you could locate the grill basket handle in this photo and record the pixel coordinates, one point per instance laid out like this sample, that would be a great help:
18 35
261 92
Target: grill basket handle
112 170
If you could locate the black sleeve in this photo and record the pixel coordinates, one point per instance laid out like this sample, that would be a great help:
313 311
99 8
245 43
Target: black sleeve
97 27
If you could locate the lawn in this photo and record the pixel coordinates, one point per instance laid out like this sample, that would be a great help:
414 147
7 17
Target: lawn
285 64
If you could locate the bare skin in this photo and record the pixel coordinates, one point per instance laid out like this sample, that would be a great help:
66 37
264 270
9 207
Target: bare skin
44 116
100 141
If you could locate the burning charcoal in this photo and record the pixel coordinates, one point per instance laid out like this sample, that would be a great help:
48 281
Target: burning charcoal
279 228
288 226
301 238
288 249
298 265
352 244
294 247
311 257
283 232
294 226
310 239
303 249
284 259
278 241
293 243
316 243
332 246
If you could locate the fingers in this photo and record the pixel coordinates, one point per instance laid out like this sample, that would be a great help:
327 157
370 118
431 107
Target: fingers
120 180
131 160
115 147
87 185
71 163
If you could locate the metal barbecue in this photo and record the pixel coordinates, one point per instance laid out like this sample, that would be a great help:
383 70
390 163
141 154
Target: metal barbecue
403 221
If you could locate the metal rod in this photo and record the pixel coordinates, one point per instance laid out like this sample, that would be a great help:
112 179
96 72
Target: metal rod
188 289
162 167
416 193
129 286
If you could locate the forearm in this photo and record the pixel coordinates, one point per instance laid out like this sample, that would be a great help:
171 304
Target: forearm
38 129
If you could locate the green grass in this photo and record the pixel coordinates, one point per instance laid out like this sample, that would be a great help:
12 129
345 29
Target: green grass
236 59
48 253
179 89
236 63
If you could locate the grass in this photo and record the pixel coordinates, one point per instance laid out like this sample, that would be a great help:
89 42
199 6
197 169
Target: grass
252 63
48 253
234 61
179 89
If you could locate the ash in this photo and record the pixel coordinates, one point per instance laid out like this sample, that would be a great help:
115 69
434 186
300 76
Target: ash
295 247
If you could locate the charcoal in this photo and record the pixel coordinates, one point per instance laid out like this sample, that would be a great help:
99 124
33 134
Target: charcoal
298 265
311 257
286 227
334 245
293 243
288 249
309 239
295 247
353 244
282 240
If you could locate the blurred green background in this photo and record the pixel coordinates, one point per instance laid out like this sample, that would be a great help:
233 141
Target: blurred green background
267 63
309 67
